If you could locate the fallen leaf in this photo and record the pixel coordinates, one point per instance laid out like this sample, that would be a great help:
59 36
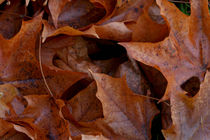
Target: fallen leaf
91 137
128 114
185 53
145 29
7 94
85 106
72 50
80 14
56 7
42 119
20 67
134 78
190 115
10 24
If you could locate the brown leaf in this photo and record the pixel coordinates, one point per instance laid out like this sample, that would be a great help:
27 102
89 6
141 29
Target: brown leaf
7 132
42 119
91 137
56 7
128 114
80 14
20 67
10 19
191 118
108 5
85 106
185 53
135 79
72 50
117 31
7 94
128 10
145 29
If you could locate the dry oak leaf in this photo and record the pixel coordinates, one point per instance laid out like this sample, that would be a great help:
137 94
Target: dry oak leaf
80 14
92 137
20 67
128 114
56 7
10 24
42 119
7 94
191 117
185 53
7 132
85 106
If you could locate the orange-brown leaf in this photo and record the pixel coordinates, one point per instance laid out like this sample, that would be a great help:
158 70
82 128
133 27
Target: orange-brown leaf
128 114
191 117
185 53
42 119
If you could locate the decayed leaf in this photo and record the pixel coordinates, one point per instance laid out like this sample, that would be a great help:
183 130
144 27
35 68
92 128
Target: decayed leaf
191 117
185 53
85 106
56 7
128 114
42 119
10 24
20 67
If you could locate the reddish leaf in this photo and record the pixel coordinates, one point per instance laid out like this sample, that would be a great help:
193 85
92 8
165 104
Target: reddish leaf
42 119
20 67
10 24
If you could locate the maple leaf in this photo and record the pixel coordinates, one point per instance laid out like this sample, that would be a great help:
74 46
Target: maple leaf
185 53
20 67
128 114
191 117
42 119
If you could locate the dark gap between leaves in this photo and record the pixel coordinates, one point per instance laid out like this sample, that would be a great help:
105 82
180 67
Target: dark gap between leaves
191 86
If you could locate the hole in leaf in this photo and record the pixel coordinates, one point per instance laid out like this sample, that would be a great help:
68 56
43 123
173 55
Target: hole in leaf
192 86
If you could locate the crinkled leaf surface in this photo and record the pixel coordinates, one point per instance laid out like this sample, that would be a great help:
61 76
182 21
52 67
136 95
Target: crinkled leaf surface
191 117
127 113
42 119
185 53
20 67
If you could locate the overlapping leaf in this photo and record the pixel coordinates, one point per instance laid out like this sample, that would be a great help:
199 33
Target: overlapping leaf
185 53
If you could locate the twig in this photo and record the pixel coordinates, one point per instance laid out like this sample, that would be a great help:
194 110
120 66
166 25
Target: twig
40 64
